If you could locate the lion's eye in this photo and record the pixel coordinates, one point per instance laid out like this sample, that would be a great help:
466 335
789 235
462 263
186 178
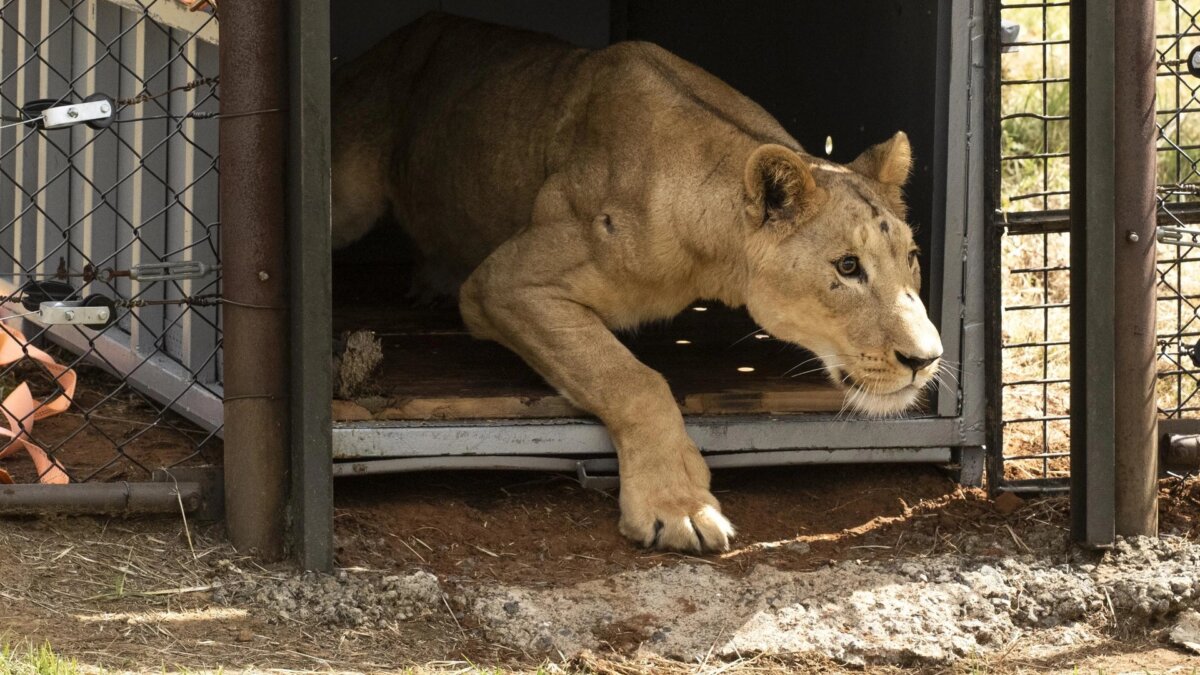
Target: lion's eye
848 266
912 257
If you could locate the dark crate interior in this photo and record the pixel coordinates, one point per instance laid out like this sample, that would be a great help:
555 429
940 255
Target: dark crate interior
828 71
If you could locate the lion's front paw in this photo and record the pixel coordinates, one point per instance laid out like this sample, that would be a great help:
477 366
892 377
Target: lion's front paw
682 519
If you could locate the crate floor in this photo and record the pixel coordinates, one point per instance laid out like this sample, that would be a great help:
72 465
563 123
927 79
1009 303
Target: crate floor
715 359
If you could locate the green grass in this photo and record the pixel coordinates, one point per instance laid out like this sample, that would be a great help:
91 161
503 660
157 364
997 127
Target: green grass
35 661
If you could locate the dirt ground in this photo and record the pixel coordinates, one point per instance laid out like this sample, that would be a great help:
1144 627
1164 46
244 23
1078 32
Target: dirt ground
162 595
110 433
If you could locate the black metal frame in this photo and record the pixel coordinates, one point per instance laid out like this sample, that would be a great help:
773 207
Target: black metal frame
311 283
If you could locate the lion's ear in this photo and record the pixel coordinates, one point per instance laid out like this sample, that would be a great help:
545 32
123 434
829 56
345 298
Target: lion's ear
780 184
888 163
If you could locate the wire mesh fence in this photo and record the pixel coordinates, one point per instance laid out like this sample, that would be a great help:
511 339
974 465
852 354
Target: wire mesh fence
1032 199
110 347
1032 206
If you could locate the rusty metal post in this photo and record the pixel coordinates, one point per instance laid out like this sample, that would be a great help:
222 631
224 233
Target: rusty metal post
255 277
1135 133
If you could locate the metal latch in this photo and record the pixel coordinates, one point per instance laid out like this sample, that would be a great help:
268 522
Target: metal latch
593 482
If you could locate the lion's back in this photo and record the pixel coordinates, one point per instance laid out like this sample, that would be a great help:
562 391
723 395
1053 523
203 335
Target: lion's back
472 118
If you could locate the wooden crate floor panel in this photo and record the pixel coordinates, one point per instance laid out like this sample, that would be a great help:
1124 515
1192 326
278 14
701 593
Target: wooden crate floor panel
716 362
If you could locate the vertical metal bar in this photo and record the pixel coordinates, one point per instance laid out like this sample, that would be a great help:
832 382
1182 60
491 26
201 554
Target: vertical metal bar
312 329
82 204
253 258
180 222
205 332
972 371
1136 415
962 293
21 230
993 316
945 280
1045 241
1092 255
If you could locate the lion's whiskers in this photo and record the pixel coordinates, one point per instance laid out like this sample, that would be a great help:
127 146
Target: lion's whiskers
818 356
819 369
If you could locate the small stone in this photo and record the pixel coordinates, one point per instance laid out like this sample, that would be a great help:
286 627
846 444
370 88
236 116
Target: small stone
1186 633
798 547
1007 502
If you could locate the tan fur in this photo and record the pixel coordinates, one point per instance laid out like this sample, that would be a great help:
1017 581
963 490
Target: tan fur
577 192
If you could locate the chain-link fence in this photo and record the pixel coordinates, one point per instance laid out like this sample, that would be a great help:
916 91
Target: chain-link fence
1032 200
110 360
1178 121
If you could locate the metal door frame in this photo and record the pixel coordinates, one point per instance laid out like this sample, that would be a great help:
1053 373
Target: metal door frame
955 429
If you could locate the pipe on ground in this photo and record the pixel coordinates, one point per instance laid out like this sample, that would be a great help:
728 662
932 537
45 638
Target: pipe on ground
90 499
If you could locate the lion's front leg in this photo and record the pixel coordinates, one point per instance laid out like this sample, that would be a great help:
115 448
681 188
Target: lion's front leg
665 498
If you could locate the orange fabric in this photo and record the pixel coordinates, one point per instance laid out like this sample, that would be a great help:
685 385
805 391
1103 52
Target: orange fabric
21 410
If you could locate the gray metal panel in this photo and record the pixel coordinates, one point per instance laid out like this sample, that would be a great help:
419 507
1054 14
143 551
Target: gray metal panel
962 294
203 244
53 181
10 43
29 87
972 370
142 163
362 440
955 177
94 217
103 198
180 217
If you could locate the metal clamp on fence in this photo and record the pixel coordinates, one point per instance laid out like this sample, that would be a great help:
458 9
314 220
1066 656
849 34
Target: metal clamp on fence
95 311
171 271
1179 236
96 111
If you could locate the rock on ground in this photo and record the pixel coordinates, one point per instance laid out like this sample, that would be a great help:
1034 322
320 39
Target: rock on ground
343 599
928 610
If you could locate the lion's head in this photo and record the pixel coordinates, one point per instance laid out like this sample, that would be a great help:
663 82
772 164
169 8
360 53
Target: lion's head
834 269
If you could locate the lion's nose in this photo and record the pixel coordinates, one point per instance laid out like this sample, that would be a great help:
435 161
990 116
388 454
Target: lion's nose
916 362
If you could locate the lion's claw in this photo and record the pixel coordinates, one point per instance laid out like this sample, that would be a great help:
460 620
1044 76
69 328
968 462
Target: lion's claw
699 529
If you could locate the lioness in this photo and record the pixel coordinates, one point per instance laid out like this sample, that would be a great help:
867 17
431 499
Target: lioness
574 192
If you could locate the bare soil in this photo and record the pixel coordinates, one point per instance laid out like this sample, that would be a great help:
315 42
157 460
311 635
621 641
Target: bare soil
154 594
548 529
110 433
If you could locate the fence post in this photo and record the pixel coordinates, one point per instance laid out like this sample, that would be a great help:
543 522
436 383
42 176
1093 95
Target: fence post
255 274
1136 413
308 236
